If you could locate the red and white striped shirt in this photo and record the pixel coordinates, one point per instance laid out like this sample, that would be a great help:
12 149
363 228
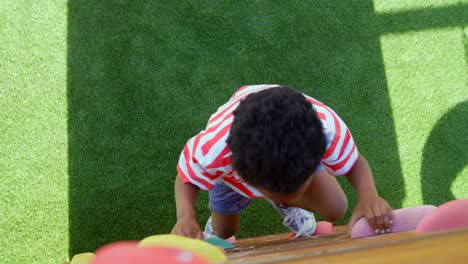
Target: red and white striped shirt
206 158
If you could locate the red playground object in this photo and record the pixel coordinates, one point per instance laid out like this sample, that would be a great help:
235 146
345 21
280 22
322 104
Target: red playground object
127 252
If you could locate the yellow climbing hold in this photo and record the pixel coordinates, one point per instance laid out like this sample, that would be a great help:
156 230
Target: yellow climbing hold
83 258
195 246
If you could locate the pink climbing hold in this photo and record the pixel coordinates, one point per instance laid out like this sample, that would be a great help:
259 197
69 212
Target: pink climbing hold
405 219
323 228
450 215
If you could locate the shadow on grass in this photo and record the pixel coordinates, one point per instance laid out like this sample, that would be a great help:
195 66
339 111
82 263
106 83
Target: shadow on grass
423 18
445 155
144 77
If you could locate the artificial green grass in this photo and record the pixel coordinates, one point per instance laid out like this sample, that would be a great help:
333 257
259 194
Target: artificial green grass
33 132
98 98
439 115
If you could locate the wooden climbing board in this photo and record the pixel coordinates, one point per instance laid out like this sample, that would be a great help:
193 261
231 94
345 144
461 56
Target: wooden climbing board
406 247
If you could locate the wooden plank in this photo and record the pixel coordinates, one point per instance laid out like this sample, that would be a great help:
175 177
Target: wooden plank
442 248
407 245
340 231
329 243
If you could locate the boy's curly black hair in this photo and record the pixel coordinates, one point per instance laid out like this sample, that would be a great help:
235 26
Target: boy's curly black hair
276 139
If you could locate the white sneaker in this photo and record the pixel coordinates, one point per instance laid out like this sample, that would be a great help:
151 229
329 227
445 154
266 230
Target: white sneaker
300 221
209 232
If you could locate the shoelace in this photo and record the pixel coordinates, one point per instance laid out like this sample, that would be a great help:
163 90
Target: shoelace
297 216
293 214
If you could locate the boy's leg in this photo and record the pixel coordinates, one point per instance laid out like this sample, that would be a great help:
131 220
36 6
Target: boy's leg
225 205
324 196
225 226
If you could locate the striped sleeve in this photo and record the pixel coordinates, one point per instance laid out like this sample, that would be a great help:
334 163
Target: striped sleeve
191 170
341 153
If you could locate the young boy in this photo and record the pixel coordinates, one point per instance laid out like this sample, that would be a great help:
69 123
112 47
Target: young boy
273 142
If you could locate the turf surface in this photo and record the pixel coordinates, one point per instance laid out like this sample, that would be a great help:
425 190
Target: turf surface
97 98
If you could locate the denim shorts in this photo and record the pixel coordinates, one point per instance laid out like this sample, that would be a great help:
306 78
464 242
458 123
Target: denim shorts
224 200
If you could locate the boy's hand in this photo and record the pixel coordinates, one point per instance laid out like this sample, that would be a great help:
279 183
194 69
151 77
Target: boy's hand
378 213
187 227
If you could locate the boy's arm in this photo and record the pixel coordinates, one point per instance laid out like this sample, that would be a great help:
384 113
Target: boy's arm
370 205
186 195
